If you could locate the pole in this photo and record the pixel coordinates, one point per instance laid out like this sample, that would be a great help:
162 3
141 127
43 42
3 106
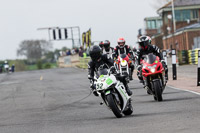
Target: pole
79 36
165 58
72 37
174 23
174 64
198 69
49 35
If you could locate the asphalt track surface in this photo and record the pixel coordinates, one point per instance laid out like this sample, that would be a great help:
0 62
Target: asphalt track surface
59 101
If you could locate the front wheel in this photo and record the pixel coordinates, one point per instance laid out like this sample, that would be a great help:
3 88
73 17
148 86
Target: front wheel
129 111
158 91
114 106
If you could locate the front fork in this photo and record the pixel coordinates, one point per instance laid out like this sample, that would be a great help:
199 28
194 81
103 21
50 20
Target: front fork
148 83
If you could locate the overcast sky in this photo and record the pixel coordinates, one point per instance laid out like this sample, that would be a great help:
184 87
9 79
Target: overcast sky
108 19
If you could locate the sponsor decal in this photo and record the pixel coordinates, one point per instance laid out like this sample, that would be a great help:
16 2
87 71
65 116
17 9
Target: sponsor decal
109 81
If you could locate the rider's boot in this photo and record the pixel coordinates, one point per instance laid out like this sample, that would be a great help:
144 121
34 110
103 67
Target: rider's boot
131 75
129 92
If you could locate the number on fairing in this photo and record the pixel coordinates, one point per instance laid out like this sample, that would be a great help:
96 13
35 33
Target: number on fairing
99 86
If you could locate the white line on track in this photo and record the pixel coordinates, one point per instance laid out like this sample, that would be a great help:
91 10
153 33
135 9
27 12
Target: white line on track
183 90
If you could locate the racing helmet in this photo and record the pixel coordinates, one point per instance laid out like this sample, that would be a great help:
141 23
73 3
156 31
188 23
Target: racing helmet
95 52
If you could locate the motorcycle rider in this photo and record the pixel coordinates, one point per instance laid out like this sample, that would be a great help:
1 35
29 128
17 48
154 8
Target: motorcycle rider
146 48
101 44
99 60
121 48
107 49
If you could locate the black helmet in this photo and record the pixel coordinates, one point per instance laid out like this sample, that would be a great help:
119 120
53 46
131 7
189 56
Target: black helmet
95 52
144 41
101 44
106 44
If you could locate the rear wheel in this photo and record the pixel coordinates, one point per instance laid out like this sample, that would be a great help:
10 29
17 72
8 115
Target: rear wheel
114 106
158 91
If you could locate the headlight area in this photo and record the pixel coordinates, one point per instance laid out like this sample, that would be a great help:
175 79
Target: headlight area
123 63
152 68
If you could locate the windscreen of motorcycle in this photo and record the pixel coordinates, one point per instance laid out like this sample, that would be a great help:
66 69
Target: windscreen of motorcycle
103 71
123 56
150 58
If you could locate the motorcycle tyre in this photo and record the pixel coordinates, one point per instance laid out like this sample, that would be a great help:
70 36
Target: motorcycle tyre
158 91
113 106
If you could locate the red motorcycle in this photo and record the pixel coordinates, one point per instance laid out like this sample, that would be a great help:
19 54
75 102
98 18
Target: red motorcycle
154 76
123 65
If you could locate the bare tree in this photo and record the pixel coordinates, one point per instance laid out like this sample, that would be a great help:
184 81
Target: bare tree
159 3
34 49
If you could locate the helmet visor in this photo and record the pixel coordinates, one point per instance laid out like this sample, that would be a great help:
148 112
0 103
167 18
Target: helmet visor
106 45
144 43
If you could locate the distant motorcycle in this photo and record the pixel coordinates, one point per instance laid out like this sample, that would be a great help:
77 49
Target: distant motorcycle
113 93
123 65
154 76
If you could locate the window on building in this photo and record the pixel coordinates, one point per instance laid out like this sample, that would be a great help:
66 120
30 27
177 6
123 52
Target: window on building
151 24
194 14
178 15
184 15
148 24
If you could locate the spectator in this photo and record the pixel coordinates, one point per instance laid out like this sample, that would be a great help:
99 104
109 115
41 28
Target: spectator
76 50
1 68
73 51
69 52
13 68
6 66
81 51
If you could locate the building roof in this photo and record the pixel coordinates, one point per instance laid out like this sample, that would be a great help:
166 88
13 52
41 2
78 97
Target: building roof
153 18
180 3
193 26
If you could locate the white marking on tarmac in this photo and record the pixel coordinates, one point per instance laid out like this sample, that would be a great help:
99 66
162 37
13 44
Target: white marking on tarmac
9 82
183 90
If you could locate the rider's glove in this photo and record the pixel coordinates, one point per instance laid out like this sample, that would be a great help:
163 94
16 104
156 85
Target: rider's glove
92 85
112 69
163 63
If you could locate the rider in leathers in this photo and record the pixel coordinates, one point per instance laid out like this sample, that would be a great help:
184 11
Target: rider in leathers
98 60
146 48
107 49
121 48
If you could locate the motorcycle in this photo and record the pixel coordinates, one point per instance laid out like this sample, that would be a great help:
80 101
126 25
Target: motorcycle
113 93
123 65
154 76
